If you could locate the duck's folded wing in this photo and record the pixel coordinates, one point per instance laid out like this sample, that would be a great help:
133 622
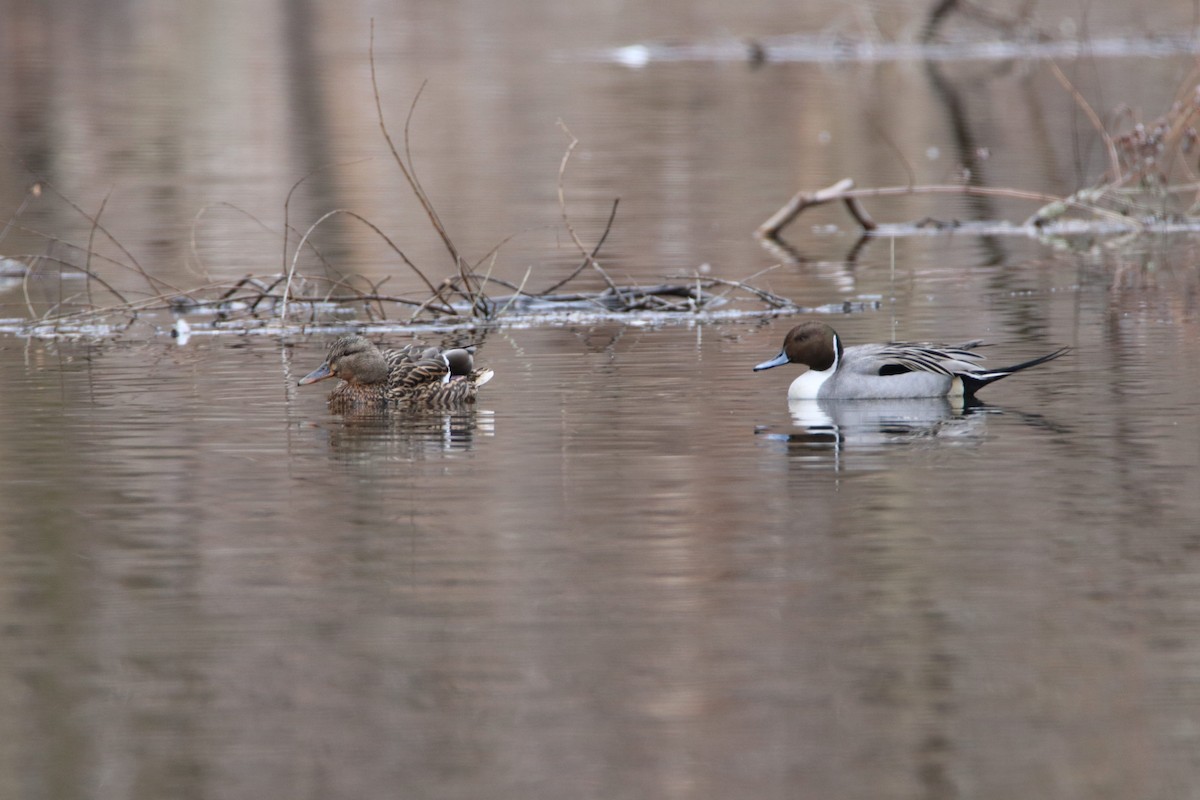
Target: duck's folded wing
898 358
408 354
407 376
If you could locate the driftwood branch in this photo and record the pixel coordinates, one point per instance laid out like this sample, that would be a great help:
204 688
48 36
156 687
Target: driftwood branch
843 191
802 200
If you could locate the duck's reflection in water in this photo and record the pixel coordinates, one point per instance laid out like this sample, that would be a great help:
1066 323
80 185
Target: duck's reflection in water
408 435
826 430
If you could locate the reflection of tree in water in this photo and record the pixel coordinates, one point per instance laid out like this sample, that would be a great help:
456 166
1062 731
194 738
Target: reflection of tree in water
407 435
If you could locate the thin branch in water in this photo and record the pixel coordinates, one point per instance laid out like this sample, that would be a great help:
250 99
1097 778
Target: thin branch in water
447 285
767 297
54 240
492 252
562 204
150 279
400 162
375 291
895 148
1114 160
32 193
91 276
452 282
25 287
264 293
353 298
292 269
520 290
412 165
202 271
746 280
287 202
478 298
316 251
612 214
87 264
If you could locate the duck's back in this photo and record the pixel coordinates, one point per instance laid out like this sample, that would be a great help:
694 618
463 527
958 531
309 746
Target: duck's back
420 378
455 393
900 370
414 372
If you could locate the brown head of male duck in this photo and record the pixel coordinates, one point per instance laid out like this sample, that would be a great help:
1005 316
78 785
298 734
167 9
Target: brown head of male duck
412 377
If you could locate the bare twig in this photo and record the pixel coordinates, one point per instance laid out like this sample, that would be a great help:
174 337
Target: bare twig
562 204
478 298
87 264
292 269
400 162
412 165
234 207
202 271
520 290
150 279
287 202
895 148
487 279
746 280
767 297
54 240
1114 161
447 285
34 192
25 287
588 260
34 259
493 251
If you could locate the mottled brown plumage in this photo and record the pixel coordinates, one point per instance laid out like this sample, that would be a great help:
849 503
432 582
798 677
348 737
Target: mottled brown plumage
413 377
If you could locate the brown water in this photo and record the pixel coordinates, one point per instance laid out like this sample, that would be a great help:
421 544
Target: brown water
630 571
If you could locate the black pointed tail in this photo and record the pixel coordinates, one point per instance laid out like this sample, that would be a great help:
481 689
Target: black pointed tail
973 383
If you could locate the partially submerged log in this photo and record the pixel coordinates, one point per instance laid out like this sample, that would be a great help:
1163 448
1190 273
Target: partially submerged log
803 200
1098 219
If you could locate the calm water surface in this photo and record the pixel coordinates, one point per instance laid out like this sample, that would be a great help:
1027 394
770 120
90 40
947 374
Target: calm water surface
631 571
628 570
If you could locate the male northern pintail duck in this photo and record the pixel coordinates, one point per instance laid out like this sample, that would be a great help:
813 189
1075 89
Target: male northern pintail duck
885 371
413 376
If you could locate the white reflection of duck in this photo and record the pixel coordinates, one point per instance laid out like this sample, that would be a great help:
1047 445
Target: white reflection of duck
830 428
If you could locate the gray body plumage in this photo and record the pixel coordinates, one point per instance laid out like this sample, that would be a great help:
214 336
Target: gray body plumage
901 370
896 370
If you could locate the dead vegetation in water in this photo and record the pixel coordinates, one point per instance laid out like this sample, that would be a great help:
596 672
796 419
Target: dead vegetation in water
1150 185
293 299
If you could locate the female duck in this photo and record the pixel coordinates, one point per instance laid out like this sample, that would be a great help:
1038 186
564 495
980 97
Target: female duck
884 371
412 376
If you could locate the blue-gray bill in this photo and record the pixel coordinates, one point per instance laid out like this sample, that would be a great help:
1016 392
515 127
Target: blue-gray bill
319 374
777 361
